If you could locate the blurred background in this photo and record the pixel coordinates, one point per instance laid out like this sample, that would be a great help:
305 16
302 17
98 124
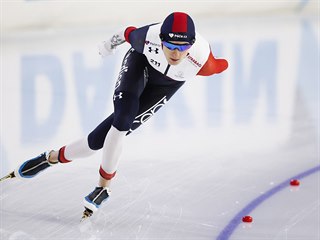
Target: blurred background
256 124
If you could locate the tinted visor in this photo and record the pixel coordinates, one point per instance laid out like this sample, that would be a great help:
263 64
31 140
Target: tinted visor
181 48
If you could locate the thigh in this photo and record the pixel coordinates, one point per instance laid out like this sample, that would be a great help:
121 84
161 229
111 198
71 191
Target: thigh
132 77
151 100
129 86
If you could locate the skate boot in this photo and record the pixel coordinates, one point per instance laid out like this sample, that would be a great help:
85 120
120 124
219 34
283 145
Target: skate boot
94 200
32 167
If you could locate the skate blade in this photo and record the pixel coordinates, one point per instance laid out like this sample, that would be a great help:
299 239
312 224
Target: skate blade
86 214
10 175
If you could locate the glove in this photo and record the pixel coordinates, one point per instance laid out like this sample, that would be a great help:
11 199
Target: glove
109 47
105 49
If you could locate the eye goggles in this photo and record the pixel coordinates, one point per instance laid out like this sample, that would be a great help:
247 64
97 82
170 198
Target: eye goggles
180 48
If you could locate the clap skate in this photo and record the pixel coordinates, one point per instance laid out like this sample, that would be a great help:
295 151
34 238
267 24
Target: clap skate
10 175
31 168
94 200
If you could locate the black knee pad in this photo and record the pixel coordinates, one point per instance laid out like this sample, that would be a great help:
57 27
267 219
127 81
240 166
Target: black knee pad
126 106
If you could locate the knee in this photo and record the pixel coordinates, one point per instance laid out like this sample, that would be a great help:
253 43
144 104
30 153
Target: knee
95 142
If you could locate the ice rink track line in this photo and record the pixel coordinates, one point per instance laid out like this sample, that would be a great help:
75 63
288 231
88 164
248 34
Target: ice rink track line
233 224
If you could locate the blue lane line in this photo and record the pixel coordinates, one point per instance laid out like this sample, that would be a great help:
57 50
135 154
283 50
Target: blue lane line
233 224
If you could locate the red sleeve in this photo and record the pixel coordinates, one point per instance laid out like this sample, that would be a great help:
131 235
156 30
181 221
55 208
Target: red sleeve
127 33
213 66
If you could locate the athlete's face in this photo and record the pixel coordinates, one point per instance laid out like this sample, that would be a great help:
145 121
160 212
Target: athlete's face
174 57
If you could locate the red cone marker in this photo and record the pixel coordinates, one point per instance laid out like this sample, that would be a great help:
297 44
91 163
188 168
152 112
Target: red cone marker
247 219
294 182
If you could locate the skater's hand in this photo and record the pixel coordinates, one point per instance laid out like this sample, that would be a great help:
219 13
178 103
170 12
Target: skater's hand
108 47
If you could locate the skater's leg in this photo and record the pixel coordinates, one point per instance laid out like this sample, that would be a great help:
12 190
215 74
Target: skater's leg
34 166
126 109
75 150
110 154
97 137
129 87
84 147
149 102
132 99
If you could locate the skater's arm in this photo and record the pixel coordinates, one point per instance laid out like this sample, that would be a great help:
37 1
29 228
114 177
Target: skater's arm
109 46
137 37
213 66
134 36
